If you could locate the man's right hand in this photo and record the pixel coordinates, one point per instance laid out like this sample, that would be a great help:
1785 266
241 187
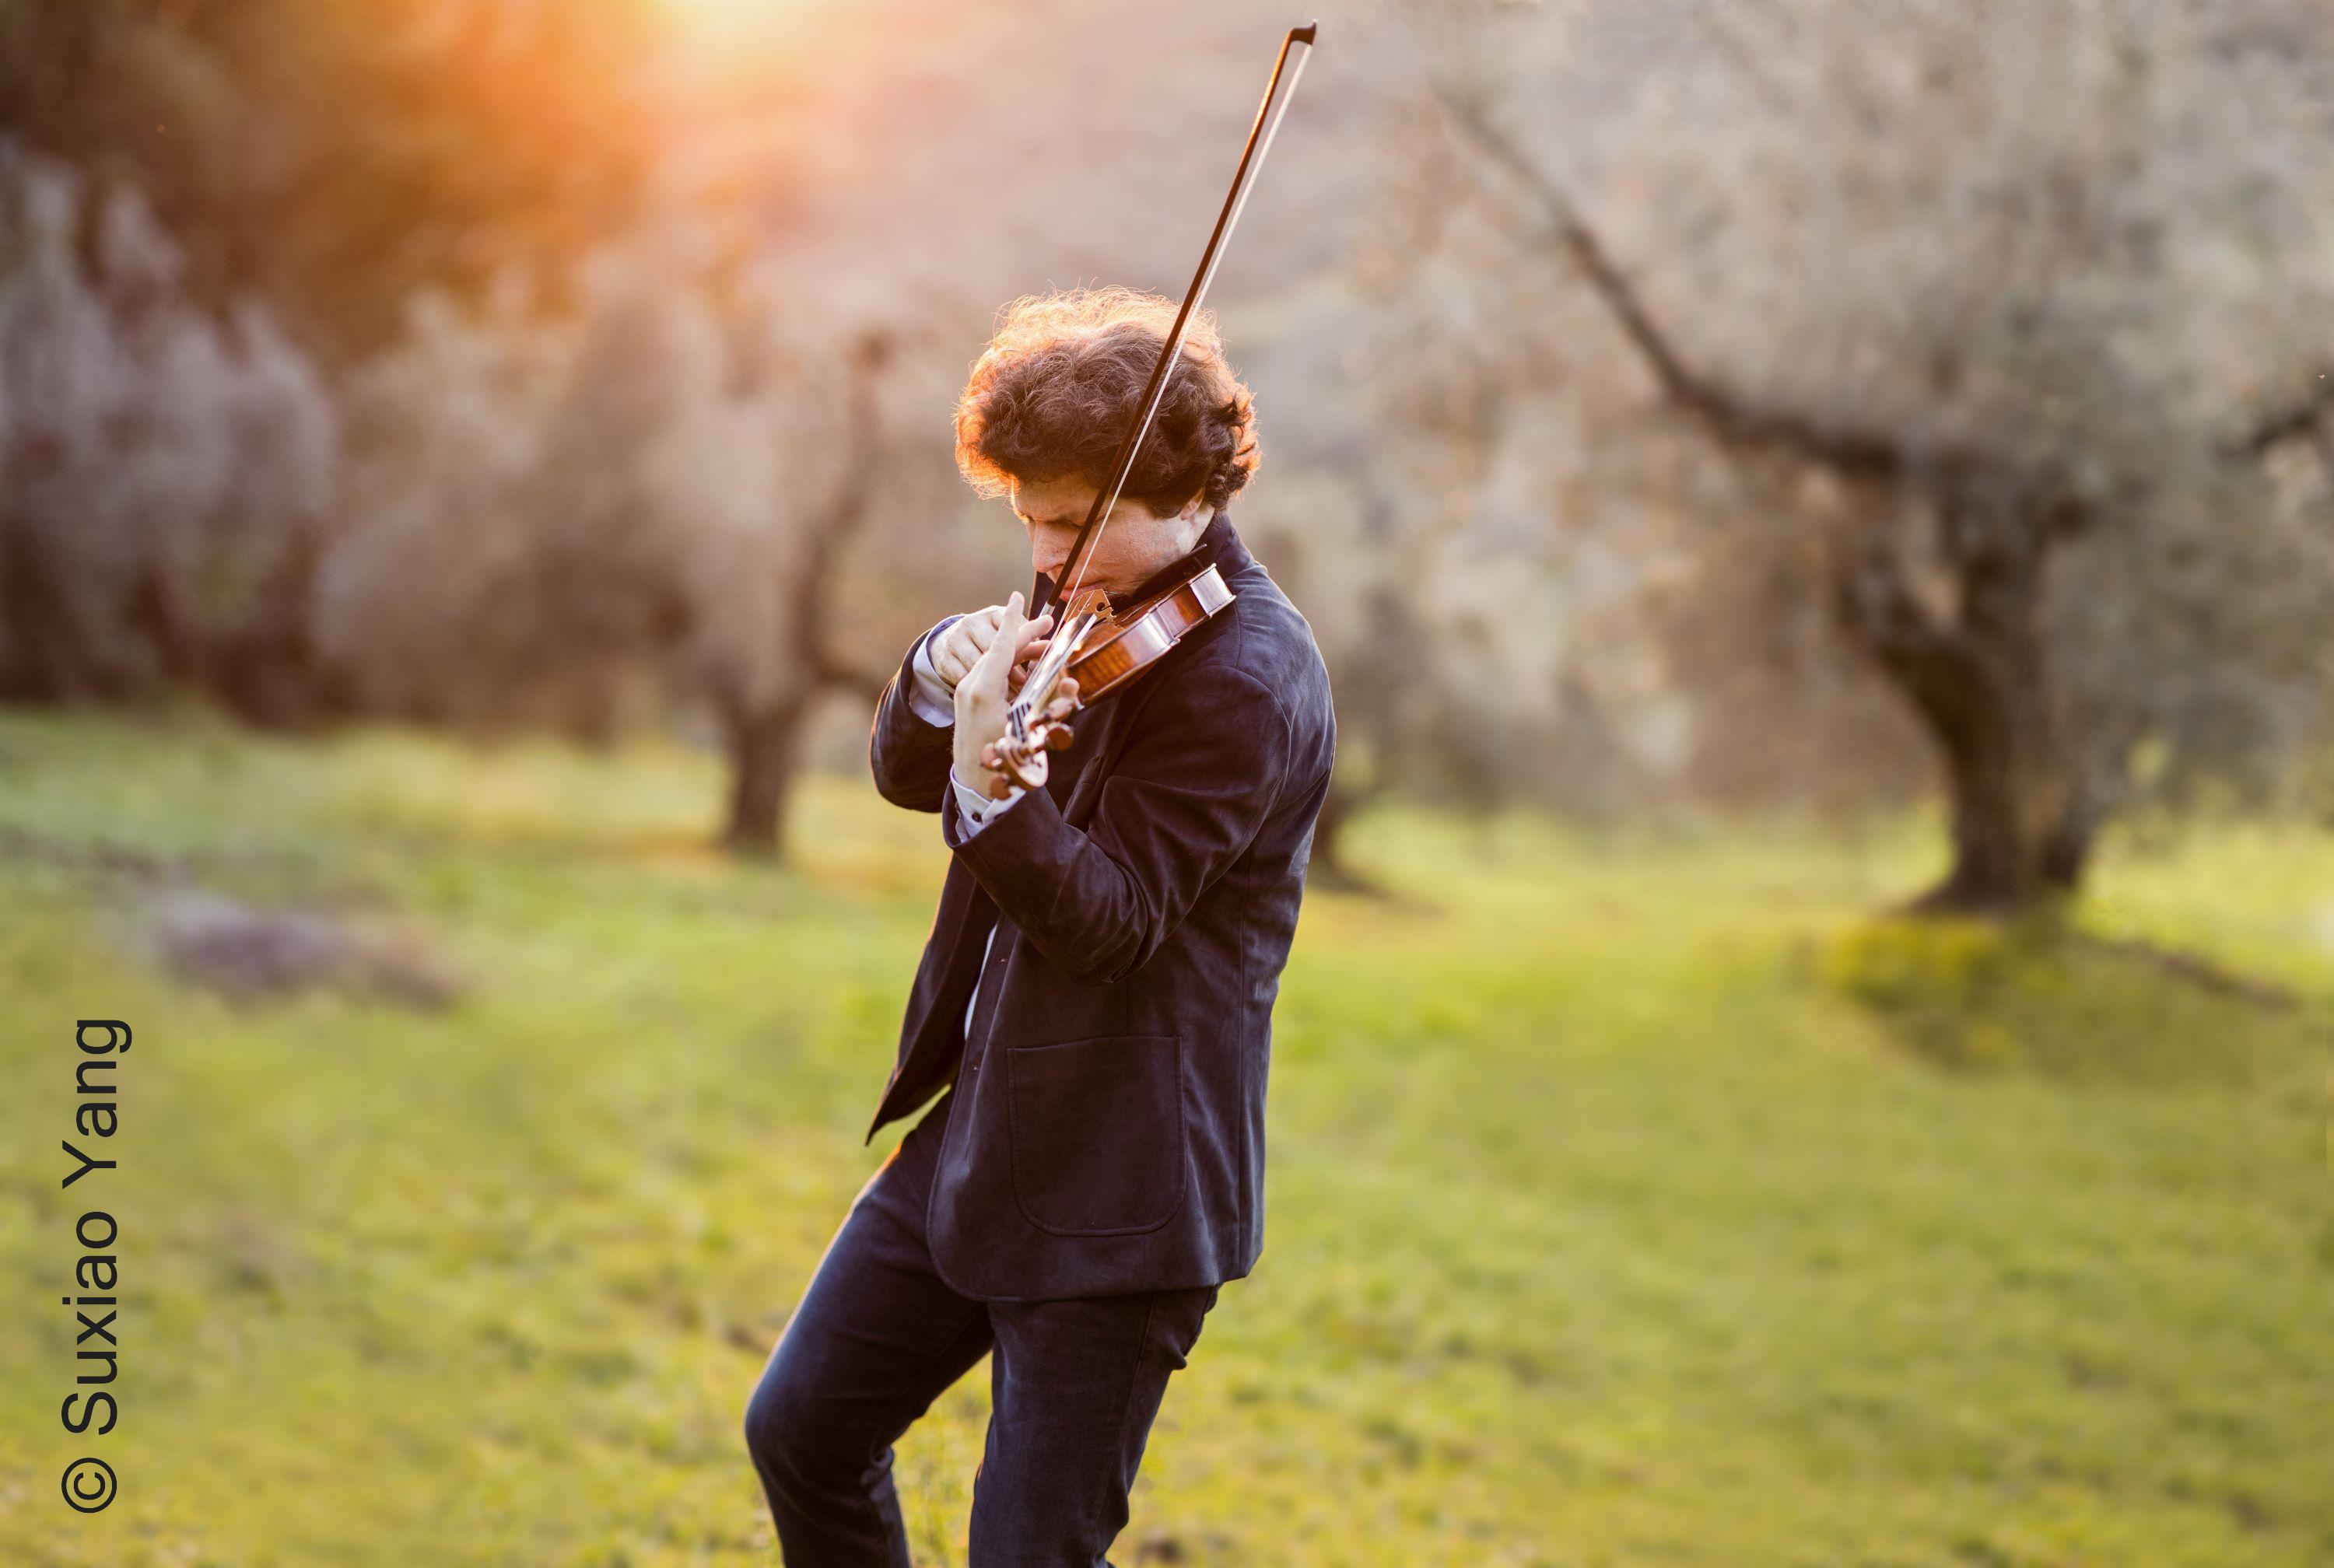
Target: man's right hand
955 651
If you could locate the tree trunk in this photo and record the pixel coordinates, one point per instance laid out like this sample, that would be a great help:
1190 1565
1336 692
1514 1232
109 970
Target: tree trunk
2004 792
2066 854
46 653
268 668
765 738
1328 869
1981 687
765 744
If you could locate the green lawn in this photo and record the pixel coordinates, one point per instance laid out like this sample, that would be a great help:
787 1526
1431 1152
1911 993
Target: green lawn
1633 1200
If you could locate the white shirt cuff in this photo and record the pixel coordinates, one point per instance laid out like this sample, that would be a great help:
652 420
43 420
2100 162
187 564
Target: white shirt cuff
928 697
977 809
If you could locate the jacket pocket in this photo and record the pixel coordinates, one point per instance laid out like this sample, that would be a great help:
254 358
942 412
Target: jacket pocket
1097 1133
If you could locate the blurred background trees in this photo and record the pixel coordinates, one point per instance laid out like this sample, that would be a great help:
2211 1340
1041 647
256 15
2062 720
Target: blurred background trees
166 472
2004 300
331 155
1666 407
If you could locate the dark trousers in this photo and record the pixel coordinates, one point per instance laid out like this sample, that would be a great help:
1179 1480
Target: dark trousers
1074 1386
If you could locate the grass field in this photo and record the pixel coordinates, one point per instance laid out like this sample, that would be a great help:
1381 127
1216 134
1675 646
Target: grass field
1634 1200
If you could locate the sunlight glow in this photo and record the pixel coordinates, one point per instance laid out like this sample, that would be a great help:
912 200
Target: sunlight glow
736 18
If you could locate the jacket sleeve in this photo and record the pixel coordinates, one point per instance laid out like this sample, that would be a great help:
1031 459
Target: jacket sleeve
910 755
1184 799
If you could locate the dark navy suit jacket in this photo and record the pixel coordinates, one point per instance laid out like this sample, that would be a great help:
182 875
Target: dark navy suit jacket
1107 1130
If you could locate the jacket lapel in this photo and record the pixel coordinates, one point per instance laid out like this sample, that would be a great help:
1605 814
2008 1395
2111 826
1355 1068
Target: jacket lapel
1220 546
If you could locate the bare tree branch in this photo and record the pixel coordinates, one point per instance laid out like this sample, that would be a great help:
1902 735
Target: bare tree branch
1730 415
841 675
2297 418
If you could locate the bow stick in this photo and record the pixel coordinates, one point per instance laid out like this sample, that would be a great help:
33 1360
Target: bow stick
1078 620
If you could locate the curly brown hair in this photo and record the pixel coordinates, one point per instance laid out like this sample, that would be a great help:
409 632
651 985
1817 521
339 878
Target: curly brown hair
1052 394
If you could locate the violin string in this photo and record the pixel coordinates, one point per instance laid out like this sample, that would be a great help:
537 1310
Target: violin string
1043 674
1173 356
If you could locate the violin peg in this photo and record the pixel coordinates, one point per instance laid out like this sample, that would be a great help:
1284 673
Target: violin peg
1028 772
1059 737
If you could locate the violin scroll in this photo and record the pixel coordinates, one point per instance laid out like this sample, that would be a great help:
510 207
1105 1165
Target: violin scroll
1021 753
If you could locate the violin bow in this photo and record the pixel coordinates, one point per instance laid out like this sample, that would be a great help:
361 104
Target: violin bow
1299 46
1037 690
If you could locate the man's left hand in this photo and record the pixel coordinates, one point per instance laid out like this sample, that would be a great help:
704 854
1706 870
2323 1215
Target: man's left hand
984 694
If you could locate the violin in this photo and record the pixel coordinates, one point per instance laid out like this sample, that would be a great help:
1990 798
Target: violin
1097 651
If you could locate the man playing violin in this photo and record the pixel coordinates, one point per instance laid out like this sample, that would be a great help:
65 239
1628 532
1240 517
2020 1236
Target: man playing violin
1093 1007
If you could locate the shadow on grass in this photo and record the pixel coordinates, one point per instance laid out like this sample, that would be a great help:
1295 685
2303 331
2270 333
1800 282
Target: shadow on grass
2042 994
